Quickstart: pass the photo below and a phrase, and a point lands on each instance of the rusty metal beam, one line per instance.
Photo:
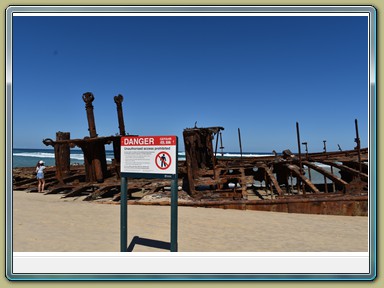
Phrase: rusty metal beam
(88, 99)
(342, 205)
(363, 176)
(118, 100)
(100, 192)
(357, 140)
(297, 172)
(325, 173)
(79, 190)
(345, 155)
(273, 179)
(62, 156)
(59, 189)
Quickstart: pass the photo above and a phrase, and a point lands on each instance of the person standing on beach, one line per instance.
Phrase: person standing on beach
(40, 176)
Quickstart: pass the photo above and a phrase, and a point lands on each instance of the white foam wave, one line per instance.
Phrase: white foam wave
(322, 165)
(35, 155)
(239, 155)
(48, 155)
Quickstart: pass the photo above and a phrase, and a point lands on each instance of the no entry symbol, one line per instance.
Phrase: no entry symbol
(163, 160)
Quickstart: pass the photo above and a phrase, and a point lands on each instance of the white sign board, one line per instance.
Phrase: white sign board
(149, 154)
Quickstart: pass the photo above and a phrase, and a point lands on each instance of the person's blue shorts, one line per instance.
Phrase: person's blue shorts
(40, 175)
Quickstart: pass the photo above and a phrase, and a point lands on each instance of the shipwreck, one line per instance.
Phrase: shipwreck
(206, 178)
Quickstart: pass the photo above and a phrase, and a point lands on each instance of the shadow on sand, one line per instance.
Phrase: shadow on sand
(149, 243)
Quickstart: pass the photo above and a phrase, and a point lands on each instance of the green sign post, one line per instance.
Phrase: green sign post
(148, 157)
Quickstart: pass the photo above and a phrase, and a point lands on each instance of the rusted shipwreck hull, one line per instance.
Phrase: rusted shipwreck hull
(208, 180)
(337, 205)
(287, 186)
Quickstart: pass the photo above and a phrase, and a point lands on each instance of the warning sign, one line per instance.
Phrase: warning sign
(149, 154)
(163, 160)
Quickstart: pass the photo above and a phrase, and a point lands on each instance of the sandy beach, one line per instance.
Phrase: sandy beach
(47, 223)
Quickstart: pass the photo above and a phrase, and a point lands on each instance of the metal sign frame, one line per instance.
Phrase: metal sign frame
(124, 197)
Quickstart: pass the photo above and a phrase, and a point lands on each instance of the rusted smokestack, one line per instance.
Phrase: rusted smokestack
(88, 99)
(118, 100)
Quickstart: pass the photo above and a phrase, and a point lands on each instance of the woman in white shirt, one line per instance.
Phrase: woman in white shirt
(40, 176)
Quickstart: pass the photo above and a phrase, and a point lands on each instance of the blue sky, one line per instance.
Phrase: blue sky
(259, 74)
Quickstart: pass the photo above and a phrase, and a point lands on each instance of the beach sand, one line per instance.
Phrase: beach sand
(47, 223)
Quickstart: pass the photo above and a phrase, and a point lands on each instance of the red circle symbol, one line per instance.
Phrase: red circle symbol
(163, 160)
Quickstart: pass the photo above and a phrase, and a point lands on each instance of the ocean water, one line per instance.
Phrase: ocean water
(30, 157)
